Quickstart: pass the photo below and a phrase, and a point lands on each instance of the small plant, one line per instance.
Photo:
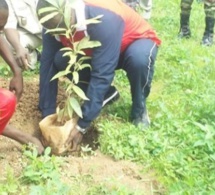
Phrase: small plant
(77, 56)
(39, 170)
(5, 70)
(10, 184)
(86, 151)
(52, 186)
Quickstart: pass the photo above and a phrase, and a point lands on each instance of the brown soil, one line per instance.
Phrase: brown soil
(99, 166)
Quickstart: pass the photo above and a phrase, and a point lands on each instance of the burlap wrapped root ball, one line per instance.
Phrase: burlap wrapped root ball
(55, 135)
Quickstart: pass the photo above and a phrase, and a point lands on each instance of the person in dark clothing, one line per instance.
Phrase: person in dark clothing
(209, 7)
(128, 42)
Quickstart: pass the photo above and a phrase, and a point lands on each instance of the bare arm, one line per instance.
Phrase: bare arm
(16, 83)
(13, 38)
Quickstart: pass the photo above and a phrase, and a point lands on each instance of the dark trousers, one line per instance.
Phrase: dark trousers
(138, 61)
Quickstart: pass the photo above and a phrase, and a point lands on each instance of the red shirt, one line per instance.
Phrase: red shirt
(7, 107)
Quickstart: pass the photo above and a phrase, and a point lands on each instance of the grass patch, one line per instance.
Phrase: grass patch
(180, 144)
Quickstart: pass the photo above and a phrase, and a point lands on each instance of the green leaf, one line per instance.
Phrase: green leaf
(46, 9)
(66, 49)
(69, 109)
(67, 15)
(73, 58)
(90, 21)
(81, 53)
(85, 43)
(48, 17)
(75, 77)
(84, 58)
(56, 31)
(47, 151)
(76, 106)
(60, 74)
(68, 53)
(69, 88)
(79, 92)
(82, 66)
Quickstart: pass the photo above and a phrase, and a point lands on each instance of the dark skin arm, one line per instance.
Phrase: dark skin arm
(16, 83)
(22, 55)
(22, 137)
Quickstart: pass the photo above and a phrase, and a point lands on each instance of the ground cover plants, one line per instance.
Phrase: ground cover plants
(180, 144)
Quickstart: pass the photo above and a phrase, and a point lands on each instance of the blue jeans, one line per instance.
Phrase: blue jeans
(51, 62)
(137, 60)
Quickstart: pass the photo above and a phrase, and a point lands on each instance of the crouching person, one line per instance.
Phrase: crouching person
(8, 99)
(128, 42)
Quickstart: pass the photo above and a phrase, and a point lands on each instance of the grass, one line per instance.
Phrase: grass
(180, 144)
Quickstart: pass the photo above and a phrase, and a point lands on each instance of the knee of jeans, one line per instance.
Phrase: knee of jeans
(60, 61)
(141, 64)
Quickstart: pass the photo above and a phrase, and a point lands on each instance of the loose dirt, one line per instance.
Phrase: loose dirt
(100, 167)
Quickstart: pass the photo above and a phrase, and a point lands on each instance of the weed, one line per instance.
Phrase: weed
(10, 184)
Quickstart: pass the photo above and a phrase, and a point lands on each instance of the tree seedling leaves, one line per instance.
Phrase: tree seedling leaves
(46, 9)
(66, 49)
(60, 74)
(75, 77)
(94, 20)
(85, 43)
(67, 15)
(82, 66)
(48, 17)
(69, 109)
(47, 151)
(79, 92)
(56, 31)
(76, 106)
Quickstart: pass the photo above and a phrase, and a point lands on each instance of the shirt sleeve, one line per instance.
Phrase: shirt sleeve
(12, 20)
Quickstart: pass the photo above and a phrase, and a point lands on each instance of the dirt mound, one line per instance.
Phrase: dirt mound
(100, 167)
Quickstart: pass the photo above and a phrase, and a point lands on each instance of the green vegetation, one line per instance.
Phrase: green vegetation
(180, 144)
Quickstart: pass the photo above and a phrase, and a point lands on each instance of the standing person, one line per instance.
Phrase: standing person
(145, 5)
(23, 31)
(209, 8)
(8, 98)
(128, 42)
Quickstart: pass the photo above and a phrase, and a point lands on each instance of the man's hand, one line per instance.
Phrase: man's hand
(16, 85)
(75, 139)
(23, 58)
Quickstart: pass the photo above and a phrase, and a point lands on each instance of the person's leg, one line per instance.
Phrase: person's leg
(186, 6)
(48, 89)
(22, 137)
(209, 8)
(132, 3)
(138, 62)
(146, 5)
